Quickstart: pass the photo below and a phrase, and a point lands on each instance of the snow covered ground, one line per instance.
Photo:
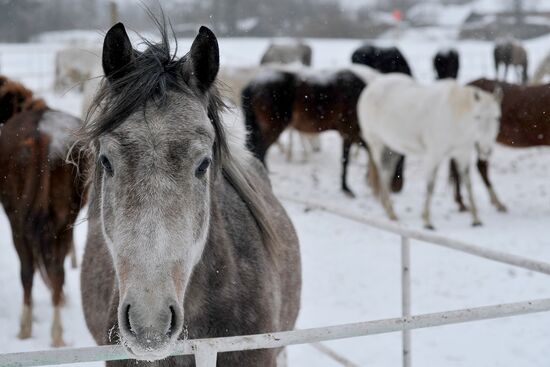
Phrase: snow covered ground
(351, 271)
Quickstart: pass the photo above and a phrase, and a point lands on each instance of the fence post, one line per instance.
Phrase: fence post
(406, 297)
(205, 356)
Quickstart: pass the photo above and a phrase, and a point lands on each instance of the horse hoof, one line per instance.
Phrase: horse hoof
(63, 300)
(25, 327)
(24, 334)
(462, 208)
(502, 209)
(397, 186)
(349, 193)
(477, 223)
(58, 343)
(429, 227)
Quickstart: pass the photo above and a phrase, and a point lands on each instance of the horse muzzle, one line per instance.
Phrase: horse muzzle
(149, 331)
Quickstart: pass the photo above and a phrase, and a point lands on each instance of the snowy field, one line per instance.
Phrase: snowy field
(351, 271)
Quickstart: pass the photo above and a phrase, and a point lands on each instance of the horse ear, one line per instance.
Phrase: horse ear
(498, 93)
(117, 52)
(204, 58)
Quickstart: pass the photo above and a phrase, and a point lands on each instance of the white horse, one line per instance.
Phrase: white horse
(73, 66)
(439, 121)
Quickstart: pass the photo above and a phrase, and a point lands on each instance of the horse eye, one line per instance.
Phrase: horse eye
(106, 165)
(203, 167)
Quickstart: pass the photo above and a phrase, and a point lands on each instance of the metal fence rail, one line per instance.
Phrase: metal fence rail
(430, 237)
(406, 235)
(206, 350)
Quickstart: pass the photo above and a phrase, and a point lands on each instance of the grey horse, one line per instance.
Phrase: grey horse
(287, 54)
(511, 52)
(186, 239)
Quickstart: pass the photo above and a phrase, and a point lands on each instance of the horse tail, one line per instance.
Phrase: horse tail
(37, 187)
(254, 140)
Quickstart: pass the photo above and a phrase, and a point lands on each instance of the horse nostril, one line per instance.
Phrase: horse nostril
(173, 321)
(128, 325)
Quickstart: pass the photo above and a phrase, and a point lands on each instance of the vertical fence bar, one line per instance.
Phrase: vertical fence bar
(406, 297)
(206, 356)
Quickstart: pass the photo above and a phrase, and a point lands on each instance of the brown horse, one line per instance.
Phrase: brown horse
(524, 122)
(279, 98)
(40, 192)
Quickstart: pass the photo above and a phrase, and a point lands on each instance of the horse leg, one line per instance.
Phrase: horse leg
(27, 276)
(372, 177)
(289, 146)
(455, 180)
(356, 151)
(426, 214)
(397, 180)
(305, 144)
(57, 298)
(505, 72)
(483, 168)
(57, 277)
(74, 261)
(387, 163)
(282, 358)
(56, 274)
(346, 146)
(464, 170)
(315, 142)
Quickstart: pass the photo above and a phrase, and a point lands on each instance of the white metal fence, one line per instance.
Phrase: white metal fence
(31, 64)
(206, 350)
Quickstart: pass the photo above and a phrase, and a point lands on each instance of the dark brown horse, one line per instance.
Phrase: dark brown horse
(525, 122)
(279, 98)
(40, 192)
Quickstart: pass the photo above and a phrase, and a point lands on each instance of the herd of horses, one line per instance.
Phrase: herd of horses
(312, 101)
(185, 236)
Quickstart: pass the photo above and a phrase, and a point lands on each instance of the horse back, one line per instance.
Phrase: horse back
(21, 159)
(328, 104)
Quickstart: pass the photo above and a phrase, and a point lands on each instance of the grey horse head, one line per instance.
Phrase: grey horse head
(157, 145)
